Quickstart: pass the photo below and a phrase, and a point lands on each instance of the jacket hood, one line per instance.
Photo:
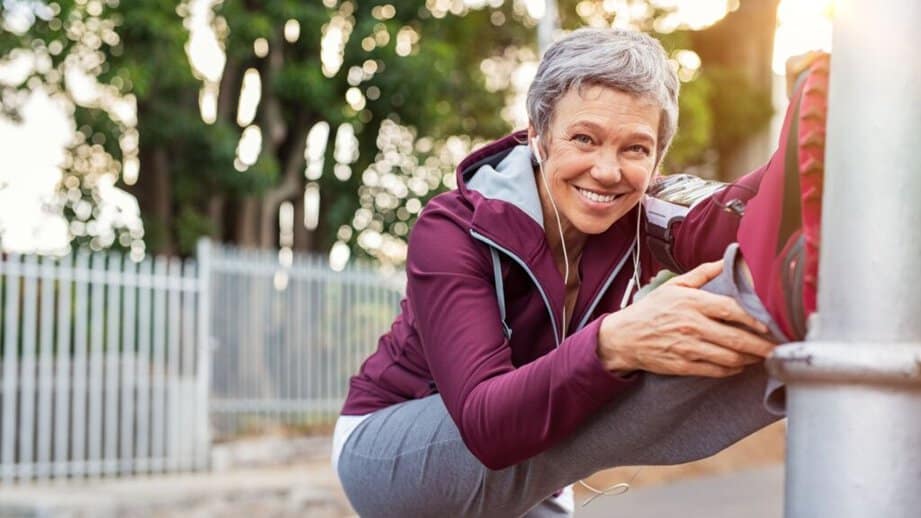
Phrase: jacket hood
(497, 183)
(510, 180)
(488, 155)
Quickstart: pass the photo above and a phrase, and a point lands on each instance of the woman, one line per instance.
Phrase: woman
(512, 370)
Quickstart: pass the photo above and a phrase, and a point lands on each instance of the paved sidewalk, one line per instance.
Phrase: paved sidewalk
(296, 490)
(756, 493)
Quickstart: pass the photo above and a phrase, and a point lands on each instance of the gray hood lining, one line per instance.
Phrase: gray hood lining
(511, 181)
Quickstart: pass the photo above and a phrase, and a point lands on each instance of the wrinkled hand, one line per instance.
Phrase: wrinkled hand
(680, 330)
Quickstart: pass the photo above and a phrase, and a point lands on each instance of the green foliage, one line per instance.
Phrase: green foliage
(695, 129)
(740, 108)
(192, 225)
(695, 117)
(304, 81)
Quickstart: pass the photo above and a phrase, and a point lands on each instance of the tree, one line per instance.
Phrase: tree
(57, 45)
(362, 106)
(187, 185)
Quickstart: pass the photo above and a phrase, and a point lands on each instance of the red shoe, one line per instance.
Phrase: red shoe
(780, 233)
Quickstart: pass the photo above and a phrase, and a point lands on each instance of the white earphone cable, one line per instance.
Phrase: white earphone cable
(635, 277)
(623, 487)
(559, 226)
(612, 490)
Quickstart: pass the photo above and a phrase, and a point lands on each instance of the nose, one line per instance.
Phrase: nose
(607, 170)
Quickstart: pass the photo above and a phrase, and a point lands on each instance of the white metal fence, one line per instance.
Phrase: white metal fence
(111, 368)
(101, 372)
(288, 334)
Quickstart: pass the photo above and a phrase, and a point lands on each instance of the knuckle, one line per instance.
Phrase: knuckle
(737, 360)
(668, 348)
(736, 343)
(686, 328)
(661, 321)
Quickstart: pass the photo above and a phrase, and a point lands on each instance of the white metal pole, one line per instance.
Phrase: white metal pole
(854, 389)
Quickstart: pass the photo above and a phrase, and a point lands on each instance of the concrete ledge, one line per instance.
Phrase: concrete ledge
(269, 451)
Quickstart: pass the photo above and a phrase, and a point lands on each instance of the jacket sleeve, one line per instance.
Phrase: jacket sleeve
(504, 414)
(709, 228)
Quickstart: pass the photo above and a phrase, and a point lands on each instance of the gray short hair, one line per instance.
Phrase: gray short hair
(628, 61)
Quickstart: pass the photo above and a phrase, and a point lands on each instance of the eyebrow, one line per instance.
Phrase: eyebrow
(601, 129)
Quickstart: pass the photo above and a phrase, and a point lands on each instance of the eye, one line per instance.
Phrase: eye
(639, 148)
(582, 138)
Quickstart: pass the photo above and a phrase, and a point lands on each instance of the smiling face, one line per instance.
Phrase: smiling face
(598, 156)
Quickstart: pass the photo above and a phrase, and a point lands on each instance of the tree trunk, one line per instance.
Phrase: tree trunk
(743, 40)
(274, 127)
(268, 217)
(229, 92)
(287, 144)
(303, 238)
(247, 223)
(163, 199)
(153, 191)
(216, 206)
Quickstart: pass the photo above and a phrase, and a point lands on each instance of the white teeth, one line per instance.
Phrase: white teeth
(600, 198)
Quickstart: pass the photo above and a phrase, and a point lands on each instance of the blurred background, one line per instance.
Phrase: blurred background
(143, 125)
(204, 204)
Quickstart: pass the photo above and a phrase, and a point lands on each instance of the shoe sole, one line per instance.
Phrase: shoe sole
(800, 229)
(811, 150)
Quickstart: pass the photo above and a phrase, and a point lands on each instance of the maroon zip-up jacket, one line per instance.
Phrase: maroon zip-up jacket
(518, 392)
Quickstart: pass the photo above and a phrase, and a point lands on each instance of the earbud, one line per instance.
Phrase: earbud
(536, 149)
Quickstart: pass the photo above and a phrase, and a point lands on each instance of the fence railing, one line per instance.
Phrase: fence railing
(113, 368)
(287, 337)
(101, 372)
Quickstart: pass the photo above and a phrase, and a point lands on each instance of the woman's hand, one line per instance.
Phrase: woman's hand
(680, 330)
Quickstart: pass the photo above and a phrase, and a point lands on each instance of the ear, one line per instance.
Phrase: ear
(534, 144)
(532, 132)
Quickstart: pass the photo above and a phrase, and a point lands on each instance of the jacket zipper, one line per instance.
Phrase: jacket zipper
(540, 289)
(607, 284)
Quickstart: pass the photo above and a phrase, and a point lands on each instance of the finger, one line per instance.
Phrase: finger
(735, 338)
(725, 308)
(713, 353)
(699, 276)
(710, 370)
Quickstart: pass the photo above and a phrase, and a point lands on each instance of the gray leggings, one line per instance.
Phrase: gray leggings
(408, 460)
